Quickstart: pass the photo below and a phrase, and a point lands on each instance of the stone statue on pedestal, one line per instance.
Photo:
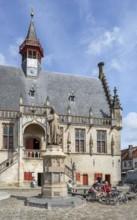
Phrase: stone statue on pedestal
(53, 130)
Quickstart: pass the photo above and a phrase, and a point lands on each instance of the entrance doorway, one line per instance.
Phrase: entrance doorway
(107, 178)
(33, 143)
(85, 179)
(96, 175)
(40, 179)
(33, 136)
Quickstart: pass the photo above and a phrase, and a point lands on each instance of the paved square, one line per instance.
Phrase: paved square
(14, 209)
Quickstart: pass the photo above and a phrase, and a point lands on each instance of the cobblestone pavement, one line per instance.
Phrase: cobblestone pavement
(14, 209)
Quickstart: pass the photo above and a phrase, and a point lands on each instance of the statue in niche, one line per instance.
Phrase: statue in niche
(53, 130)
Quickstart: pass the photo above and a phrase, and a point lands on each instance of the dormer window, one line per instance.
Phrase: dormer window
(71, 97)
(32, 92)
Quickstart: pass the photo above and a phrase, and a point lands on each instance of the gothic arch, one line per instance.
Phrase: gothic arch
(30, 123)
(34, 137)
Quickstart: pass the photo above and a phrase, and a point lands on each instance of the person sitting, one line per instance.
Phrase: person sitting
(70, 187)
(94, 188)
(33, 183)
(99, 179)
(107, 188)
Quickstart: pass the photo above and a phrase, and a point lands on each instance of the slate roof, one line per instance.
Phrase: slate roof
(88, 92)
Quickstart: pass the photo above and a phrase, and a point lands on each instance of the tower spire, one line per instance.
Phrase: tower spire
(31, 51)
(32, 32)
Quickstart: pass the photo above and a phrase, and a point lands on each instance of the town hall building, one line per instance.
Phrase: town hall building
(90, 121)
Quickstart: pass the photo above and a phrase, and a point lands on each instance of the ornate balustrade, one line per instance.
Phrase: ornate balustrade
(30, 109)
(8, 114)
(85, 120)
(35, 154)
(102, 121)
(66, 119)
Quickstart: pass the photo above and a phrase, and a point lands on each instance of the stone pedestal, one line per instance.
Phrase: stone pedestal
(54, 190)
(54, 173)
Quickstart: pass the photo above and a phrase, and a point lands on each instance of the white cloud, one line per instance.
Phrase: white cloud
(85, 11)
(129, 132)
(106, 40)
(2, 59)
(47, 60)
(14, 48)
(95, 72)
(115, 64)
(130, 121)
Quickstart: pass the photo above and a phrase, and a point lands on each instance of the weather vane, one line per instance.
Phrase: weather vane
(32, 11)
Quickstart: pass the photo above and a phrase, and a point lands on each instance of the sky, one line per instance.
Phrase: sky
(76, 35)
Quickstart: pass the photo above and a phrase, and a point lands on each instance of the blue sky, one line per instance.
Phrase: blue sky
(76, 35)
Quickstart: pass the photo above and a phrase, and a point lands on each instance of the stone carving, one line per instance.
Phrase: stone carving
(53, 130)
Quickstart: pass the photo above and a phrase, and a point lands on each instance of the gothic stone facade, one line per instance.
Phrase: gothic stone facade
(90, 121)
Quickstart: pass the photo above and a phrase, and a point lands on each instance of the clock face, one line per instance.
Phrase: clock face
(32, 71)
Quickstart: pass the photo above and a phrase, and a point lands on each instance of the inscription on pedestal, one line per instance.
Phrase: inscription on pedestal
(56, 193)
(56, 169)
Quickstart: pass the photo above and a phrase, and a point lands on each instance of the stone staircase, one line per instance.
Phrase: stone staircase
(68, 172)
(9, 162)
(14, 158)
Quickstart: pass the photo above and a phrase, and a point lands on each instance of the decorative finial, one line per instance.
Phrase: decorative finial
(115, 91)
(32, 11)
(21, 99)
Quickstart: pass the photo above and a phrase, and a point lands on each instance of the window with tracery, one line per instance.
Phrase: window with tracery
(79, 140)
(101, 141)
(8, 136)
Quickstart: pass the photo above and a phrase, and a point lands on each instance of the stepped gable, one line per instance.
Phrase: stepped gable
(104, 83)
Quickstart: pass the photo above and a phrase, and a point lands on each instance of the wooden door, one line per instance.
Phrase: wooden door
(96, 175)
(85, 179)
(40, 179)
(107, 178)
(29, 143)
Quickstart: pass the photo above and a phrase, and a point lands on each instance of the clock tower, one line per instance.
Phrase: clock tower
(31, 52)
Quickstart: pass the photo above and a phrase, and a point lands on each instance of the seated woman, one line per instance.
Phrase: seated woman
(107, 188)
(69, 186)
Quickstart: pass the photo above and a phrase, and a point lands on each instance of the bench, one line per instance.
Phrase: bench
(84, 195)
(131, 195)
(84, 189)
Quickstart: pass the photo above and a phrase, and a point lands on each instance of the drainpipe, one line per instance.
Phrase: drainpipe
(20, 137)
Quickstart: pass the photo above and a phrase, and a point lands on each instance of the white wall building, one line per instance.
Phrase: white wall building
(90, 120)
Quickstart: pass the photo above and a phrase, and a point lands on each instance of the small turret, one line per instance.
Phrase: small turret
(31, 52)
(116, 110)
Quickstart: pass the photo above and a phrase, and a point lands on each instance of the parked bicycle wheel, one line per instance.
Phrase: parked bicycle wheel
(122, 197)
(102, 199)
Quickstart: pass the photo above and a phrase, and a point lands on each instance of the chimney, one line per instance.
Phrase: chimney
(130, 147)
(101, 74)
(130, 150)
